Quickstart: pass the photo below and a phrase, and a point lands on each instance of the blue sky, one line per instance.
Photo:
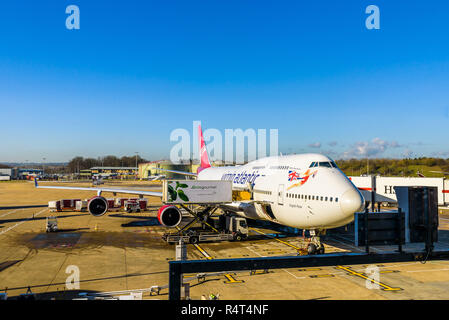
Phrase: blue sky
(137, 70)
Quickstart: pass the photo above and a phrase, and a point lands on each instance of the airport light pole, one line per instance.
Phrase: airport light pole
(43, 166)
(136, 163)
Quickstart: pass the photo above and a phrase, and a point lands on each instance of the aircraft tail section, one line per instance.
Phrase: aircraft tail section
(205, 163)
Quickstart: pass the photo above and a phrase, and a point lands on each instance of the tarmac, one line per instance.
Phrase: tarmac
(121, 253)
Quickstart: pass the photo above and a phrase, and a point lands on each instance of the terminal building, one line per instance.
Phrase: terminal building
(110, 172)
(384, 187)
(19, 173)
(150, 169)
(8, 174)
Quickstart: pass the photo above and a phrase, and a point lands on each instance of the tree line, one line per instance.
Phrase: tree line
(80, 163)
(394, 167)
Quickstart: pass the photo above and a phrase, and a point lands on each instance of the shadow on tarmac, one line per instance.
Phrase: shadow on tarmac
(37, 218)
(23, 207)
(90, 280)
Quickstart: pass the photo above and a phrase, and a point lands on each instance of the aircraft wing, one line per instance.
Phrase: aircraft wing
(446, 173)
(100, 190)
(157, 177)
(179, 172)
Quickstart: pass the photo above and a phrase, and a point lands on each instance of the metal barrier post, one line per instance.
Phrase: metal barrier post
(400, 230)
(174, 282)
(366, 230)
(428, 222)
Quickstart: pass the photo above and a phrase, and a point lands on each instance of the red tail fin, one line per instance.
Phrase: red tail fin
(203, 152)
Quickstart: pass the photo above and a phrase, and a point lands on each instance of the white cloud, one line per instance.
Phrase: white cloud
(440, 154)
(315, 145)
(364, 149)
(408, 153)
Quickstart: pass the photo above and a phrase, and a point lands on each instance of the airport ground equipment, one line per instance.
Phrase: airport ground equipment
(178, 268)
(111, 204)
(225, 228)
(63, 205)
(81, 205)
(201, 198)
(120, 202)
(51, 224)
(131, 206)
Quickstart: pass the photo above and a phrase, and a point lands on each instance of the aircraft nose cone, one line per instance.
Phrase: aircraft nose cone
(351, 201)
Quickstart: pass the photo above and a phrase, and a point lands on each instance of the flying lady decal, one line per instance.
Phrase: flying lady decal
(294, 176)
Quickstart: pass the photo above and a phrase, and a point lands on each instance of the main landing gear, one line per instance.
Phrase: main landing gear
(315, 246)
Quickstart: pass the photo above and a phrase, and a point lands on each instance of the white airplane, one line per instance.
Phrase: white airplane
(306, 191)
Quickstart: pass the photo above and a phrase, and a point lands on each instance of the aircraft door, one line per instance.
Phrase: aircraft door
(281, 194)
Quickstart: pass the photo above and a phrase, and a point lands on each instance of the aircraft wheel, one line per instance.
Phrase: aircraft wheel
(311, 248)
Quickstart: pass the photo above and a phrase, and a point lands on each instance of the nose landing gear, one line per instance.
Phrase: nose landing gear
(315, 246)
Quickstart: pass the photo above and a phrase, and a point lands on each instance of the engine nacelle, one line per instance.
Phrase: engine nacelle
(97, 206)
(169, 216)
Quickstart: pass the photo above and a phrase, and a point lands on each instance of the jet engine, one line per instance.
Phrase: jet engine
(169, 216)
(97, 206)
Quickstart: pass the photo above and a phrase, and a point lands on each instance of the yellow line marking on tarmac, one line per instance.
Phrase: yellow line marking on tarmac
(231, 279)
(310, 269)
(208, 257)
(389, 271)
(228, 276)
(322, 276)
(361, 275)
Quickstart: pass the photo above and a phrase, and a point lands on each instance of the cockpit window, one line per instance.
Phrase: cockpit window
(325, 164)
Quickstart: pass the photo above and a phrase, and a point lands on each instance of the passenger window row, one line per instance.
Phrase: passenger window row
(263, 192)
(279, 167)
(310, 197)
